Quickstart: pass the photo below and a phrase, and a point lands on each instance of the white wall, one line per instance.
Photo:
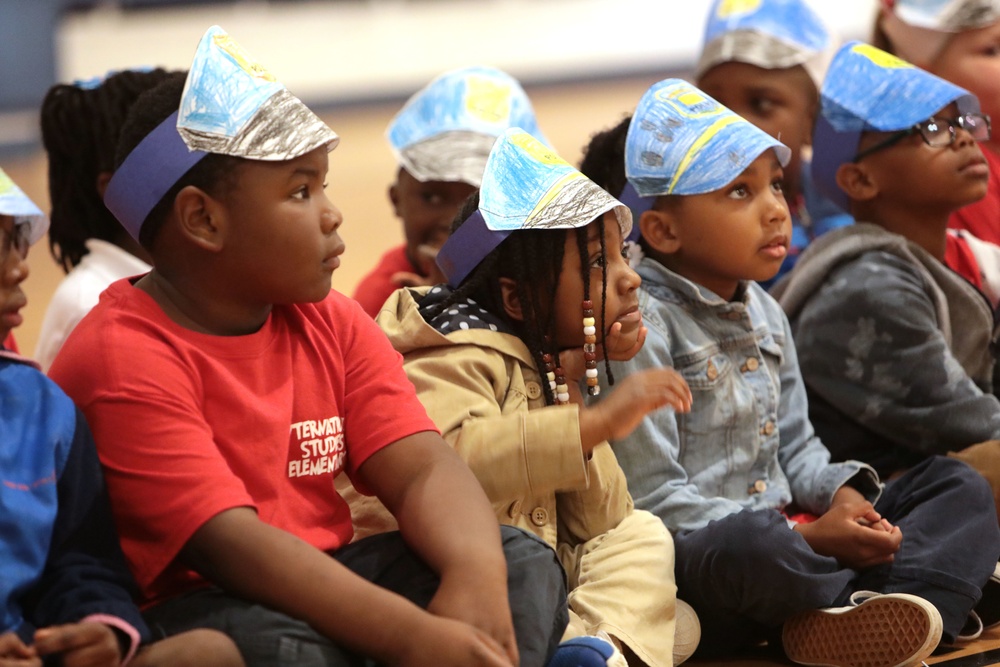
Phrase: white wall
(331, 52)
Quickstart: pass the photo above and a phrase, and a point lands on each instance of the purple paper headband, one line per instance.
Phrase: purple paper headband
(148, 173)
(467, 247)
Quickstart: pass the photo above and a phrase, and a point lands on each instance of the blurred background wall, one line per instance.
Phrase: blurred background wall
(584, 63)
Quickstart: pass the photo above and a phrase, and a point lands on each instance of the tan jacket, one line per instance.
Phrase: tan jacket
(483, 391)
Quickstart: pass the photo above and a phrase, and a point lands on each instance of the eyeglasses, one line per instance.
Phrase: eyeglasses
(938, 132)
(15, 236)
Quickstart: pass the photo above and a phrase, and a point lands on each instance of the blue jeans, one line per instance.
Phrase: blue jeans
(268, 638)
(747, 573)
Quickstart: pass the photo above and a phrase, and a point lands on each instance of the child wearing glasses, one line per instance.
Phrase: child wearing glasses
(894, 347)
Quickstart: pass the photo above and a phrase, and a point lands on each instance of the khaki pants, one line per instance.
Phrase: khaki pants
(985, 458)
(622, 582)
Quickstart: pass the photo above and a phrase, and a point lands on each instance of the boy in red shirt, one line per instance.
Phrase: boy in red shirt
(227, 387)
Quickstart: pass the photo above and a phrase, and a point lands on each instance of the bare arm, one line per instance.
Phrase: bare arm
(465, 549)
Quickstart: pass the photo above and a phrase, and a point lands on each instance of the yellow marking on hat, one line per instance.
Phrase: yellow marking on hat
(6, 184)
(730, 7)
(239, 55)
(487, 99)
(536, 149)
(699, 143)
(879, 57)
(686, 100)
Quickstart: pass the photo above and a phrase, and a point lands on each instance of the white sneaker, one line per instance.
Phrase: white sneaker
(887, 630)
(687, 632)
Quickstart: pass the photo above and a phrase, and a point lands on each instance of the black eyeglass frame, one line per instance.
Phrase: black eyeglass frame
(958, 121)
(16, 240)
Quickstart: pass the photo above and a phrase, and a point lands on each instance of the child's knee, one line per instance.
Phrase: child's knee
(194, 648)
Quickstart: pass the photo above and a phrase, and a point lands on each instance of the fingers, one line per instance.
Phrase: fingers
(81, 644)
(15, 653)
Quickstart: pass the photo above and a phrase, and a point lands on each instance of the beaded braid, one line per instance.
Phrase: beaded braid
(80, 128)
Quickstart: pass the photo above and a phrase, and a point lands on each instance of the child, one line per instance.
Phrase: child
(441, 139)
(65, 590)
(958, 40)
(730, 478)
(536, 241)
(895, 348)
(229, 385)
(80, 126)
(765, 60)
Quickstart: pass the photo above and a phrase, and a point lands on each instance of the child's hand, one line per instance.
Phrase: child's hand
(453, 644)
(853, 533)
(619, 348)
(482, 604)
(80, 644)
(630, 401)
(15, 653)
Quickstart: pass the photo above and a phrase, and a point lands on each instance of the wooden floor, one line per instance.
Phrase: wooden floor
(361, 169)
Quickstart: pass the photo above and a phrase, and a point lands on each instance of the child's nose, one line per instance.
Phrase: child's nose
(963, 137)
(331, 218)
(15, 269)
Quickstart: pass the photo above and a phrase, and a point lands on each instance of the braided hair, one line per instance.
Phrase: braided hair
(80, 126)
(533, 259)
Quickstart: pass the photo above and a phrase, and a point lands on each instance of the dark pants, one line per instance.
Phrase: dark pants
(267, 638)
(748, 573)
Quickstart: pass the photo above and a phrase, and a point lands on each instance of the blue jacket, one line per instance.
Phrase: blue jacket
(747, 443)
(59, 552)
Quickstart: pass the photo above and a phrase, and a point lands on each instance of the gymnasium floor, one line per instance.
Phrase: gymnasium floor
(361, 169)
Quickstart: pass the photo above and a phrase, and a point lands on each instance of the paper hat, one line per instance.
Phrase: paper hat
(683, 142)
(445, 131)
(866, 90)
(920, 29)
(15, 203)
(231, 105)
(525, 186)
(772, 34)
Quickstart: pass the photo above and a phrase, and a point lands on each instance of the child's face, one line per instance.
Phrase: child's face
(622, 304)
(782, 102)
(427, 209)
(912, 174)
(740, 232)
(971, 59)
(284, 246)
(13, 271)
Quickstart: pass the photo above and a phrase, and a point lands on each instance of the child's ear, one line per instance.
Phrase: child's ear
(658, 228)
(857, 182)
(511, 301)
(200, 217)
(394, 198)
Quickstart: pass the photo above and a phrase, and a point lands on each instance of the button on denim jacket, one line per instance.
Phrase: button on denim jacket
(747, 442)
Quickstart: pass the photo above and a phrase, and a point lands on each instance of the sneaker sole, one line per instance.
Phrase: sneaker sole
(886, 631)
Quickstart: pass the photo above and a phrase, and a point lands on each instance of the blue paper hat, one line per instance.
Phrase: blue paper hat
(15, 203)
(869, 90)
(446, 130)
(231, 105)
(772, 34)
(683, 142)
(525, 186)
(947, 15)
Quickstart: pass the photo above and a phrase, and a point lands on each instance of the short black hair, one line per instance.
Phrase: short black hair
(533, 259)
(80, 127)
(214, 174)
(604, 157)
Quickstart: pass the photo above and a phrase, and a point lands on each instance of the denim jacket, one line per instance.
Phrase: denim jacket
(747, 442)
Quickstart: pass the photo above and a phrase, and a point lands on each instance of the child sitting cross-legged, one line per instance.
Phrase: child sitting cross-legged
(772, 540)
(229, 385)
(894, 346)
(538, 290)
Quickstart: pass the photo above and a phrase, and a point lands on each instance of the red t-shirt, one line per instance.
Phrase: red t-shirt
(189, 425)
(958, 257)
(376, 287)
(982, 219)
